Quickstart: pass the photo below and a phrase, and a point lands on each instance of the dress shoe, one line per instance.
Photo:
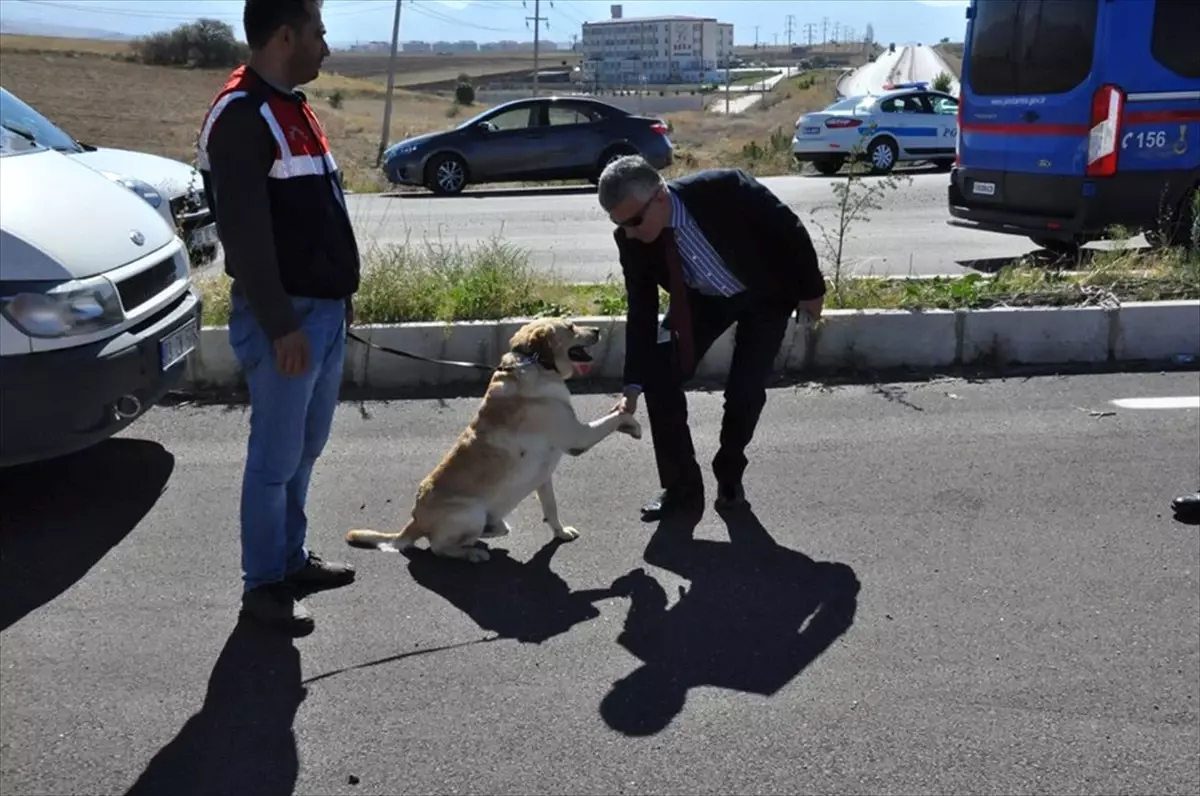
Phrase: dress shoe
(672, 501)
(1187, 507)
(730, 496)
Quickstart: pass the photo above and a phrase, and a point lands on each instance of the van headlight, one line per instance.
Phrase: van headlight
(139, 187)
(72, 308)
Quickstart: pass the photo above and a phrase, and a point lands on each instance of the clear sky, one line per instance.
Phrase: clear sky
(492, 20)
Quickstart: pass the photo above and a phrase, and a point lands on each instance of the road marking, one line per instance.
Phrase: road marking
(1169, 402)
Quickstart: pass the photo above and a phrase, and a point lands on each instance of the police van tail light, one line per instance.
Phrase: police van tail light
(836, 123)
(1108, 103)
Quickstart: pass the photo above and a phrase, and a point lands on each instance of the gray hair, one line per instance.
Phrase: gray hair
(627, 177)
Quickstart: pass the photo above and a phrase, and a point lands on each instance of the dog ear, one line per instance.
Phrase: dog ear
(537, 342)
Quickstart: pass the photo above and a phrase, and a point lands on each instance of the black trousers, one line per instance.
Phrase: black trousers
(759, 334)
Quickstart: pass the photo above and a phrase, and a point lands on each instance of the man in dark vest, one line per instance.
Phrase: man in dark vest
(727, 250)
(290, 249)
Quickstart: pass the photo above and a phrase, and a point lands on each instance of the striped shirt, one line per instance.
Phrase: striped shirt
(703, 268)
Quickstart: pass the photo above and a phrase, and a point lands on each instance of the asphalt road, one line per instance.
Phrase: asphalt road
(908, 64)
(1005, 606)
(567, 233)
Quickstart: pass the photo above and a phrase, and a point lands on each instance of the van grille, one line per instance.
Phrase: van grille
(145, 285)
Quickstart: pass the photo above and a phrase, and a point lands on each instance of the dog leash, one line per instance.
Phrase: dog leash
(399, 353)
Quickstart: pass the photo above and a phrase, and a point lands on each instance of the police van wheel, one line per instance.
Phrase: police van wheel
(1059, 248)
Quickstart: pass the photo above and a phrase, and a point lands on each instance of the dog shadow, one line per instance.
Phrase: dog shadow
(241, 740)
(755, 615)
(523, 601)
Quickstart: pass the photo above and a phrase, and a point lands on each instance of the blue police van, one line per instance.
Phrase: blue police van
(1076, 116)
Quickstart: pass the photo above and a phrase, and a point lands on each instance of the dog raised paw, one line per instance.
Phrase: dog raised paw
(567, 534)
(629, 425)
(476, 555)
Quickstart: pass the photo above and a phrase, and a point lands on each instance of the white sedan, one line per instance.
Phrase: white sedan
(902, 125)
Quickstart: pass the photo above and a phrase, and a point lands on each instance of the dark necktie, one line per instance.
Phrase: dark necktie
(681, 317)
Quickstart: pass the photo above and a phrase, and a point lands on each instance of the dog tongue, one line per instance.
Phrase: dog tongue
(583, 368)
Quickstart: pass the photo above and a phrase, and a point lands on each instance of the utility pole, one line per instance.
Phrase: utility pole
(391, 84)
(756, 37)
(811, 29)
(536, 19)
(824, 29)
(791, 20)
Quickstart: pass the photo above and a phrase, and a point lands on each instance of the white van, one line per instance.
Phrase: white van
(97, 309)
(174, 187)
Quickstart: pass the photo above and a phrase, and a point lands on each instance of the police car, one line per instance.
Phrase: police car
(906, 123)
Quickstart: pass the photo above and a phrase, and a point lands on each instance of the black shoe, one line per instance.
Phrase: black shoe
(730, 496)
(275, 605)
(672, 501)
(1187, 507)
(318, 575)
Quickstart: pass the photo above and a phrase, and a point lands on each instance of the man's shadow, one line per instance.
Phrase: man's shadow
(756, 614)
(241, 740)
(523, 601)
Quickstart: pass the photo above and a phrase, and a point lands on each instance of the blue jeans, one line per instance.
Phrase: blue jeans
(290, 419)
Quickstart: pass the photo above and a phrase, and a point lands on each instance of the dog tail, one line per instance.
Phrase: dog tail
(378, 540)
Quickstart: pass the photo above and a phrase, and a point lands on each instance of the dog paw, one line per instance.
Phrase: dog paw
(631, 427)
(476, 555)
(495, 531)
(567, 534)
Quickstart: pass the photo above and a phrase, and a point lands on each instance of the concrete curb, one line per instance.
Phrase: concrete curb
(846, 340)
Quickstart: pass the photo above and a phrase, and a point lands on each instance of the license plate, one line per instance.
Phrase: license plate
(984, 188)
(178, 344)
(204, 236)
(812, 131)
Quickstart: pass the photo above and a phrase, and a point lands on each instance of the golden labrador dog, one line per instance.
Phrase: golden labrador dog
(510, 449)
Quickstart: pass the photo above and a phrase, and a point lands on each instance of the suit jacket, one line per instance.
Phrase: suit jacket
(763, 243)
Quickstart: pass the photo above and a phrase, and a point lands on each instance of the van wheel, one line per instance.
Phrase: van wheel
(944, 165)
(1181, 227)
(1059, 248)
(446, 175)
(882, 155)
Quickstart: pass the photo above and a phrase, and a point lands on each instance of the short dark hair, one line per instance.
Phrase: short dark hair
(261, 18)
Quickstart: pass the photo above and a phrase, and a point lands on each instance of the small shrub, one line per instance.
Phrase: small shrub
(203, 44)
(464, 93)
(336, 98)
(942, 82)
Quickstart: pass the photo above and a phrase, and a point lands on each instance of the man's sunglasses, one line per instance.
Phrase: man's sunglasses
(639, 218)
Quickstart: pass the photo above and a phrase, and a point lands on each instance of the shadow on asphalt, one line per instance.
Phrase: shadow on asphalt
(754, 617)
(523, 601)
(241, 740)
(490, 193)
(60, 517)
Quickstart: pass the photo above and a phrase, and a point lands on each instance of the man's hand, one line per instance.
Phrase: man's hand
(628, 403)
(812, 308)
(349, 314)
(292, 353)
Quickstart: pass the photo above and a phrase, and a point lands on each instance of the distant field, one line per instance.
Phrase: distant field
(52, 44)
(415, 69)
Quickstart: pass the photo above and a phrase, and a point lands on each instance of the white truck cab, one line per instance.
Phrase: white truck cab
(97, 309)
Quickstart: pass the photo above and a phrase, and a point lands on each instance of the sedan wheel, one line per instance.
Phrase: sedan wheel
(448, 175)
(883, 156)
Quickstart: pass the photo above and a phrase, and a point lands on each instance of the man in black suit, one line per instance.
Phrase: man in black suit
(727, 250)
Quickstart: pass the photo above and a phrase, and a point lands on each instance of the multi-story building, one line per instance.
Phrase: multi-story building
(654, 50)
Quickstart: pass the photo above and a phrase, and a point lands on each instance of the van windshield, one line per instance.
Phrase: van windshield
(1023, 47)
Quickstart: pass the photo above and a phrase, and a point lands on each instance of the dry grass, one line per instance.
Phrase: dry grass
(759, 139)
(952, 53)
(10, 43)
(420, 69)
